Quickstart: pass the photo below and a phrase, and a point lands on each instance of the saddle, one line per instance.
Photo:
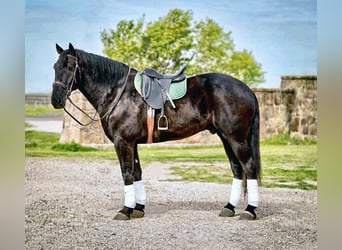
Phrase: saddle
(155, 86)
(154, 89)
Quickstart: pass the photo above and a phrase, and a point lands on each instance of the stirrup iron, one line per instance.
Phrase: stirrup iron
(163, 117)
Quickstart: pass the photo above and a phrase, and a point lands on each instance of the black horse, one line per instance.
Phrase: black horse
(215, 102)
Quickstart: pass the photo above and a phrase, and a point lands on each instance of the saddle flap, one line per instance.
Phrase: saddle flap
(153, 94)
(146, 87)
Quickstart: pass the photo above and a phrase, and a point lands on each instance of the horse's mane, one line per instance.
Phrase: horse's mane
(101, 68)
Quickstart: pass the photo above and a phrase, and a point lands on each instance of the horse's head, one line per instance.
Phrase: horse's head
(67, 73)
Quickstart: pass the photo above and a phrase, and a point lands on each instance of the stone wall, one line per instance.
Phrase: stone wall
(292, 109)
(276, 107)
(72, 131)
(37, 99)
(304, 114)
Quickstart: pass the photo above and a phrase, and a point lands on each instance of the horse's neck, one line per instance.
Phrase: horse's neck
(101, 91)
(98, 94)
(93, 96)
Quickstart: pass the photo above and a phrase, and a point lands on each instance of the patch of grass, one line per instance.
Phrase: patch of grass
(72, 147)
(46, 144)
(202, 173)
(300, 177)
(40, 139)
(182, 153)
(43, 110)
(286, 139)
(291, 166)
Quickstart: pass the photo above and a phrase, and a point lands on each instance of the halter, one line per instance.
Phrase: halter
(70, 88)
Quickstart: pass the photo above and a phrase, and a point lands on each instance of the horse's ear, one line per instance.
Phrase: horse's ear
(72, 50)
(59, 49)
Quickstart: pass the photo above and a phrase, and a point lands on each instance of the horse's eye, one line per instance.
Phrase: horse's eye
(70, 68)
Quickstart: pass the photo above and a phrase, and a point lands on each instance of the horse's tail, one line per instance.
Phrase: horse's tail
(253, 143)
(254, 140)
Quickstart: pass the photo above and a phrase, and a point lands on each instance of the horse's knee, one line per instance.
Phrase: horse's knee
(128, 178)
(250, 170)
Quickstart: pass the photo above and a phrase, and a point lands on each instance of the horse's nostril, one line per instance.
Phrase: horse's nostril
(57, 102)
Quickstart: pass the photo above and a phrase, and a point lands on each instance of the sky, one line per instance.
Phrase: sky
(282, 35)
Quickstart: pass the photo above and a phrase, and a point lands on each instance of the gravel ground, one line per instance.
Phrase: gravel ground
(70, 204)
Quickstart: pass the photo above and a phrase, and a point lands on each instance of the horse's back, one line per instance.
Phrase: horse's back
(224, 87)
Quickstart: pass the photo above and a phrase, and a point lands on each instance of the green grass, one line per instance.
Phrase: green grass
(39, 140)
(286, 139)
(46, 144)
(290, 164)
(72, 147)
(185, 153)
(43, 110)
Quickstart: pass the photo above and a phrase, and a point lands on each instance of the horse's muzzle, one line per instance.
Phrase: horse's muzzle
(58, 96)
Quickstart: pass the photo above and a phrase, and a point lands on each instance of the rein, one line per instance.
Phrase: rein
(109, 111)
(69, 90)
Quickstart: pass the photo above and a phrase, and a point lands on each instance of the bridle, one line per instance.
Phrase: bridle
(70, 89)
(73, 79)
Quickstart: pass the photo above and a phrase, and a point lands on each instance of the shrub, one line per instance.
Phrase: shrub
(73, 147)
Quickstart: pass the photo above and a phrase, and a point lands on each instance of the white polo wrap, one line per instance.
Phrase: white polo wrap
(140, 194)
(129, 196)
(235, 193)
(252, 192)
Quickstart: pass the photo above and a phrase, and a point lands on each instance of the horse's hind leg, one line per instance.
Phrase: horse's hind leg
(240, 154)
(243, 152)
(236, 190)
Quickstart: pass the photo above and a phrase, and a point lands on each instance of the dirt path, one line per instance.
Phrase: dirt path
(70, 204)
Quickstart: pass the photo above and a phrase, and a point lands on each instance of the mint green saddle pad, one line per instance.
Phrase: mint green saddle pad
(177, 89)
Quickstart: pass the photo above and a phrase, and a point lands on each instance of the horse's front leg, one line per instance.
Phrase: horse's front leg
(131, 174)
(139, 189)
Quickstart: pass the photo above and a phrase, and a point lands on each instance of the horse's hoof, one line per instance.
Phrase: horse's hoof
(226, 212)
(137, 213)
(121, 216)
(246, 215)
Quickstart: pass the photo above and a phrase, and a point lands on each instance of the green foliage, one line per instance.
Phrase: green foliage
(174, 40)
(73, 147)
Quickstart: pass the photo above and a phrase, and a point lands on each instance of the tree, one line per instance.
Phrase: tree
(176, 39)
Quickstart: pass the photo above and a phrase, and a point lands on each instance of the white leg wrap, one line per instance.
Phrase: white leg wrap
(140, 194)
(235, 194)
(129, 196)
(252, 192)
